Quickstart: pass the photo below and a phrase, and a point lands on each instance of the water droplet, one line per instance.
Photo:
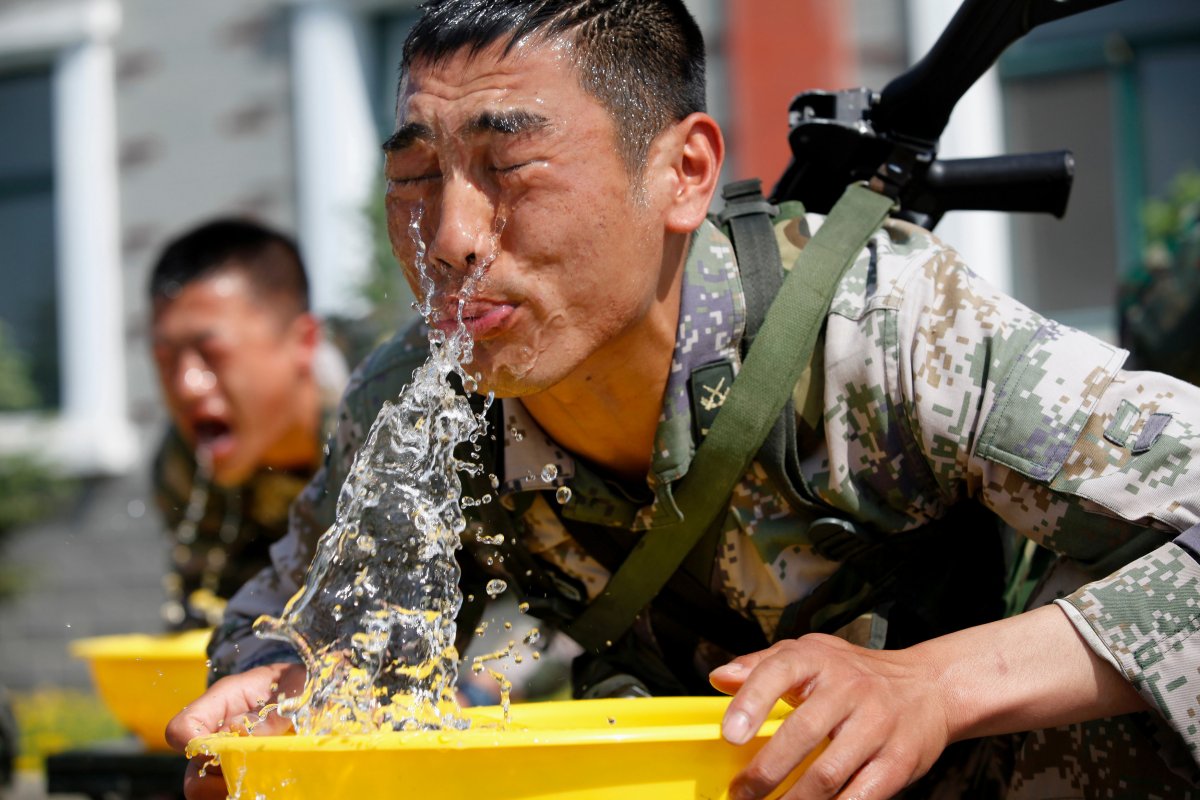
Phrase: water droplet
(563, 495)
(495, 587)
(494, 481)
(470, 385)
(516, 433)
(549, 472)
(533, 635)
(523, 608)
(537, 656)
(507, 626)
(497, 539)
(612, 720)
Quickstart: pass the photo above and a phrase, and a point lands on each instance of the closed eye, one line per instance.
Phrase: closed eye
(414, 181)
(512, 167)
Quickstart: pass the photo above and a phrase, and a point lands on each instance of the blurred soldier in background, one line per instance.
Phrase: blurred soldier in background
(250, 386)
(1160, 301)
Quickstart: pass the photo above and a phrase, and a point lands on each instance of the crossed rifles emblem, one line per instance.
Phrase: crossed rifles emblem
(716, 397)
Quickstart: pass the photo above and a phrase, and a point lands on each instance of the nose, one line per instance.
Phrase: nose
(463, 234)
(192, 379)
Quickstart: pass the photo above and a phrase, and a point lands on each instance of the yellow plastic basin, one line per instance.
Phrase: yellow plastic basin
(145, 679)
(663, 748)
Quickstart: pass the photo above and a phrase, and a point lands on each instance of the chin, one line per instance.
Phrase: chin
(507, 381)
(230, 476)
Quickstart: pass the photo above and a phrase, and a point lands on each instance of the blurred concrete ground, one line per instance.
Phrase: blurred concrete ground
(81, 580)
(32, 786)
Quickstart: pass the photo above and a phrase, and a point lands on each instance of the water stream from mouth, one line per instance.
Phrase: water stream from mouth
(375, 620)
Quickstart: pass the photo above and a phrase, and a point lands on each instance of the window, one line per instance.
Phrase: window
(60, 263)
(28, 305)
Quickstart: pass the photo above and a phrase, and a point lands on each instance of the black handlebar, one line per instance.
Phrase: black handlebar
(917, 104)
(890, 138)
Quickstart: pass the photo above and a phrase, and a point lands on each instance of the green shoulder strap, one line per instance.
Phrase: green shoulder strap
(782, 350)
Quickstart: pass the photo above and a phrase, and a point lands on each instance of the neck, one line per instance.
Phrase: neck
(300, 446)
(607, 410)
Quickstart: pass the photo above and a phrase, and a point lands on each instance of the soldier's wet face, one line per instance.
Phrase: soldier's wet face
(510, 168)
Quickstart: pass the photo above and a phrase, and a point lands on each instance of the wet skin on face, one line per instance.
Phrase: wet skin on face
(512, 169)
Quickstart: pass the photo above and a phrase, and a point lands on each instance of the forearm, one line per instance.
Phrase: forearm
(1023, 673)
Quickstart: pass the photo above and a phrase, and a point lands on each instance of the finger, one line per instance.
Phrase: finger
(209, 786)
(202, 716)
(778, 676)
(728, 677)
(877, 780)
(802, 733)
(850, 747)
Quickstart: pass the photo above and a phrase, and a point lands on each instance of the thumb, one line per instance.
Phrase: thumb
(268, 722)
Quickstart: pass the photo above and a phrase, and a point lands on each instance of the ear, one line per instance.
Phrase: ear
(697, 150)
(305, 333)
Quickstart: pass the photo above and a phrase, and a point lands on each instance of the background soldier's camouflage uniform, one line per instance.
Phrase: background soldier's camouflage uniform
(937, 390)
(230, 543)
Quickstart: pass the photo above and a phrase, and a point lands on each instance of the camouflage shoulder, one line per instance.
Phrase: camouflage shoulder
(792, 231)
(873, 279)
(387, 368)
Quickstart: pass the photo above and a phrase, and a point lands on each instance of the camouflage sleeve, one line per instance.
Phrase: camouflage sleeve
(1102, 465)
(172, 474)
(1143, 618)
(234, 646)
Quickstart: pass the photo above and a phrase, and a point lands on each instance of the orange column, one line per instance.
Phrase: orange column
(777, 49)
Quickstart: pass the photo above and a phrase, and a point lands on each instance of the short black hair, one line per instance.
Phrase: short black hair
(643, 60)
(269, 259)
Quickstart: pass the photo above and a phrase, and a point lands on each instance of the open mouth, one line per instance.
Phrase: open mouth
(213, 436)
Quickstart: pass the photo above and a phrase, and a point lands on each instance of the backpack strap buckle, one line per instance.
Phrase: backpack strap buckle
(743, 198)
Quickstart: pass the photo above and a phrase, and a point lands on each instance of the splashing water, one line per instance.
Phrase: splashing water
(375, 621)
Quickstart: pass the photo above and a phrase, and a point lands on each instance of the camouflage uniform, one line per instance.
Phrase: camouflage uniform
(932, 390)
(229, 544)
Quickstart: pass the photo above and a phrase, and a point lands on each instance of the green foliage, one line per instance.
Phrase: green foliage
(1159, 301)
(52, 720)
(1171, 222)
(16, 388)
(29, 490)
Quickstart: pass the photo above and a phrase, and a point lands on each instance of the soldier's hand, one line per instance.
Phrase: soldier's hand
(877, 714)
(232, 704)
(888, 714)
